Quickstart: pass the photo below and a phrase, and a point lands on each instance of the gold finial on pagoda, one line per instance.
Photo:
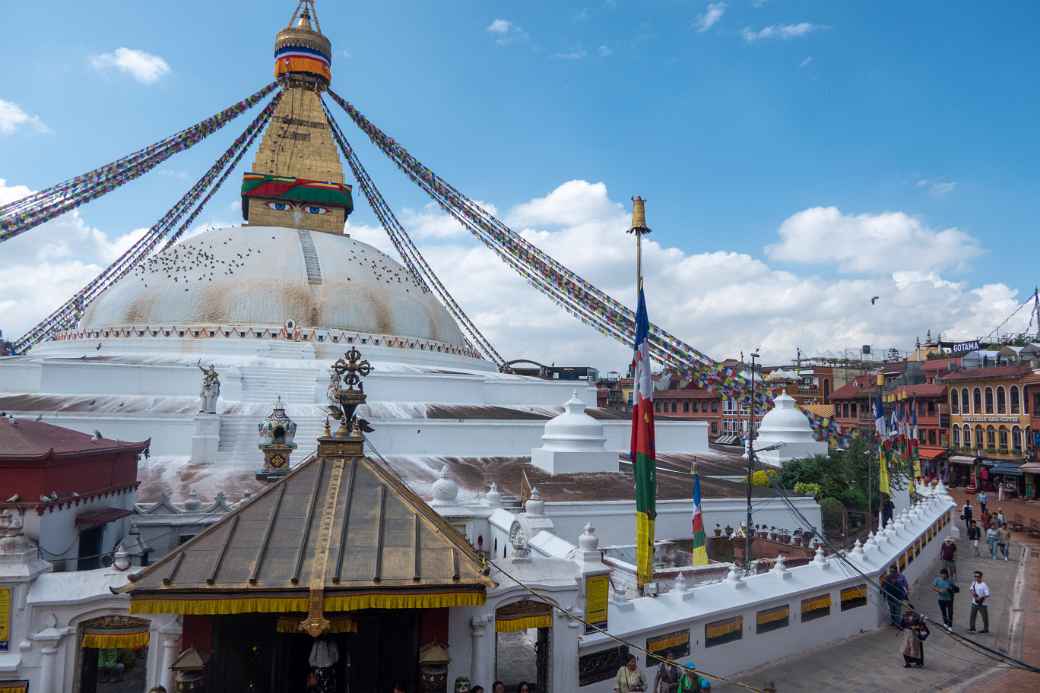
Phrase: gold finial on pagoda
(639, 216)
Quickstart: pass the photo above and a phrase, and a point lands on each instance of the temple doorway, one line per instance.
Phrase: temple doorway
(113, 655)
(522, 645)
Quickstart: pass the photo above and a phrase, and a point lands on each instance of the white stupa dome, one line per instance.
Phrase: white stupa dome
(784, 423)
(266, 276)
(574, 430)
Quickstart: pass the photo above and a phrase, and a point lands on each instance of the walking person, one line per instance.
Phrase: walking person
(979, 594)
(967, 514)
(983, 499)
(915, 632)
(1003, 541)
(629, 679)
(974, 536)
(991, 539)
(945, 588)
(895, 589)
(948, 555)
(667, 679)
(887, 510)
(1001, 517)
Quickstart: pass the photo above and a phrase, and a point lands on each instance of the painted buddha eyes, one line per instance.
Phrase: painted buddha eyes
(287, 206)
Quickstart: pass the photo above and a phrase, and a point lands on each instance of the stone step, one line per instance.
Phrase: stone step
(310, 258)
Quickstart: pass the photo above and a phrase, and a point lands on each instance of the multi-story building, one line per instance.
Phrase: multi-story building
(927, 403)
(852, 403)
(990, 423)
(690, 403)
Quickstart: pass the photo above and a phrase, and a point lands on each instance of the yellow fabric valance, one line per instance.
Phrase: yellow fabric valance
(115, 640)
(226, 606)
(337, 624)
(515, 625)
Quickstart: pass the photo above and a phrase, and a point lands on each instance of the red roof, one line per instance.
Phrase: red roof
(27, 440)
(861, 386)
(941, 364)
(922, 390)
(990, 373)
(928, 453)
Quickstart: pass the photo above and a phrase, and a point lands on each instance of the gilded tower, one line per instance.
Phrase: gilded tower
(297, 178)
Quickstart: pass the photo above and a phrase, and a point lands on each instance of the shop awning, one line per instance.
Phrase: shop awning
(1030, 468)
(115, 633)
(962, 459)
(931, 453)
(100, 516)
(522, 615)
(1006, 468)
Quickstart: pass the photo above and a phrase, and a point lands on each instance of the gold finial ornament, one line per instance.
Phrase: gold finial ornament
(639, 216)
(347, 393)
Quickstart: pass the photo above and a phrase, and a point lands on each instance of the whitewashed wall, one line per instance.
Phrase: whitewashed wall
(646, 617)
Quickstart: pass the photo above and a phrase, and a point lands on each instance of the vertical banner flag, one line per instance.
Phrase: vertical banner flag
(879, 417)
(700, 549)
(642, 449)
(883, 484)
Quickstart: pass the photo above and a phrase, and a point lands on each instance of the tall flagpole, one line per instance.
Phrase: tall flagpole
(642, 450)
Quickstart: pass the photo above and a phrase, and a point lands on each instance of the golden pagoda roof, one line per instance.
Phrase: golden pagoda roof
(341, 526)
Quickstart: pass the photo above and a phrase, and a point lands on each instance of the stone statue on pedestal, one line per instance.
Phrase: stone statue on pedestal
(210, 391)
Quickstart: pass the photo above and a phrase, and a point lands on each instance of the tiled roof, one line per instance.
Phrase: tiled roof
(922, 390)
(990, 373)
(25, 439)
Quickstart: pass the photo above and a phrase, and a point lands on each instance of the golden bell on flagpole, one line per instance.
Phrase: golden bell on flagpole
(639, 216)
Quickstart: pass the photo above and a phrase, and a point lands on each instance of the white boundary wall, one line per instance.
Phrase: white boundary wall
(692, 610)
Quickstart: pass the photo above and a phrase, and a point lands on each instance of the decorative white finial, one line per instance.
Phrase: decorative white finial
(820, 559)
(734, 578)
(121, 559)
(679, 584)
(857, 549)
(587, 540)
(780, 567)
(535, 506)
(493, 498)
(445, 490)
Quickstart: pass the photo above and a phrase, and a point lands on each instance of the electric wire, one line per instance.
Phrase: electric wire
(985, 650)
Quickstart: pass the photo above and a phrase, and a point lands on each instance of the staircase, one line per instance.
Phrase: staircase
(310, 258)
(239, 438)
(263, 385)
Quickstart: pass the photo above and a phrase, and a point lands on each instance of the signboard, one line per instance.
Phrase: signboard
(5, 618)
(726, 630)
(670, 646)
(772, 619)
(961, 347)
(853, 597)
(816, 607)
(601, 666)
(990, 418)
(597, 588)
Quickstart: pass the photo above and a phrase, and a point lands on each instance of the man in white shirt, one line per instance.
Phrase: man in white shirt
(979, 594)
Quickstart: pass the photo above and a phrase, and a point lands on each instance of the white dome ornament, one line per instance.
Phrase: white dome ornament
(445, 490)
(787, 428)
(574, 443)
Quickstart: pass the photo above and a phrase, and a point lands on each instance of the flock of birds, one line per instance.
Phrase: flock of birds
(193, 262)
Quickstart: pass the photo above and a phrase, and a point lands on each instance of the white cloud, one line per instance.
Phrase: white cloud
(807, 62)
(575, 54)
(886, 242)
(720, 302)
(507, 32)
(780, 31)
(12, 117)
(711, 16)
(145, 67)
(604, 51)
(745, 303)
(938, 188)
(500, 26)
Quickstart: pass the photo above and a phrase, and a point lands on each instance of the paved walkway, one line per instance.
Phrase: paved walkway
(873, 661)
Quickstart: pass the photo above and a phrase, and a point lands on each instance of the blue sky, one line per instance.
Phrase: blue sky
(731, 118)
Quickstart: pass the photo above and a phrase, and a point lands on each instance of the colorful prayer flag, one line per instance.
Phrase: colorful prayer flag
(883, 483)
(644, 460)
(700, 549)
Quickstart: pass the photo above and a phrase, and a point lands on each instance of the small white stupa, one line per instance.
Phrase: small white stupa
(574, 442)
(788, 428)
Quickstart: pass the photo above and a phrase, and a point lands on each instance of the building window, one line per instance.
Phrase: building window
(675, 407)
(1014, 399)
(931, 437)
(714, 405)
(855, 410)
(931, 408)
(714, 427)
(686, 407)
(967, 437)
(977, 404)
(1016, 438)
(920, 408)
(956, 437)
(920, 435)
(989, 400)
(978, 437)
(991, 437)
(964, 400)
(1001, 401)
(1003, 437)
(954, 409)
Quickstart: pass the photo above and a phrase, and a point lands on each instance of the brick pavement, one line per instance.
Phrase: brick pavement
(873, 661)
